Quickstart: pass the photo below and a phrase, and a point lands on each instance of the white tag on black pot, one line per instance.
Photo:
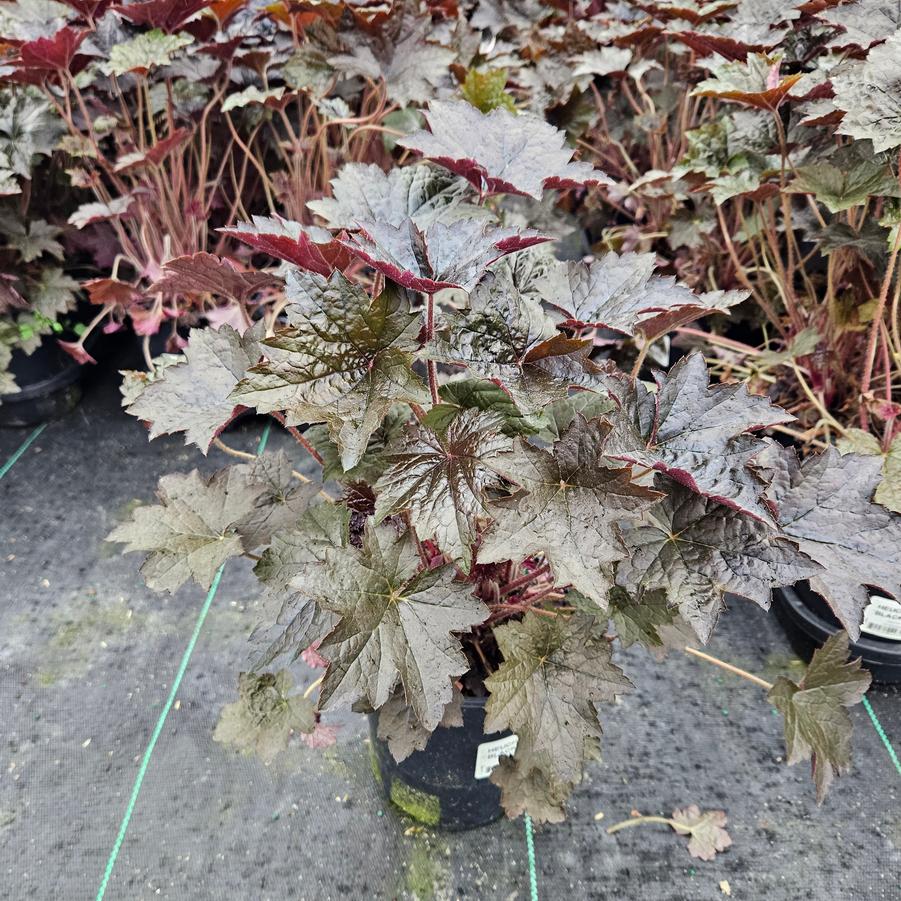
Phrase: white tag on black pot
(490, 752)
(882, 618)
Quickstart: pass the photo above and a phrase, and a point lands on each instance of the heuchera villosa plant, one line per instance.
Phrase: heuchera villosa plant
(509, 503)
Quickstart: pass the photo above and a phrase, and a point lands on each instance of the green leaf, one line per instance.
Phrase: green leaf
(570, 509)
(290, 568)
(478, 394)
(145, 51)
(698, 550)
(637, 619)
(557, 416)
(395, 624)
(251, 95)
(485, 90)
(32, 238)
(889, 491)
(53, 293)
(441, 478)
(817, 727)
(264, 716)
(194, 396)
(375, 458)
(556, 671)
(193, 530)
(846, 179)
(346, 364)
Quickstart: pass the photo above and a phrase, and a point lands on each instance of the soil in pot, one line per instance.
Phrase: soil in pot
(809, 622)
(49, 380)
(446, 785)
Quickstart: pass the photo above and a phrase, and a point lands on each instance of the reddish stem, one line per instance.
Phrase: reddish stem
(296, 435)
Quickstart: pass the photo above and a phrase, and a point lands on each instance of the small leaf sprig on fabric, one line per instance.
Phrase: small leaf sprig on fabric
(508, 503)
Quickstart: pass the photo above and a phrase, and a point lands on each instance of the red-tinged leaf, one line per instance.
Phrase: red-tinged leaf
(155, 154)
(687, 12)
(169, 15)
(53, 54)
(225, 9)
(92, 9)
(716, 45)
(10, 298)
(500, 152)
(75, 350)
(103, 291)
(308, 247)
(204, 273)
(756, 82)
(441, 255)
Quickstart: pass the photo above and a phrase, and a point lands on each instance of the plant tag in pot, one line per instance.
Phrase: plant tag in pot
(882, 618)
(490, 752)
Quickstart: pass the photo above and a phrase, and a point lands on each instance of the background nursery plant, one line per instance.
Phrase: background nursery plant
(509, 503)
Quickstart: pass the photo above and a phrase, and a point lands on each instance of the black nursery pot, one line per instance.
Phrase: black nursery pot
(50, 383)
(809, 622)
(446, 785)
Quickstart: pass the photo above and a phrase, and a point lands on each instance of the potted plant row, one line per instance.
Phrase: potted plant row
(500, 505)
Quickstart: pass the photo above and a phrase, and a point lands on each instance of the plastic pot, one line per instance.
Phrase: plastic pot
(809, 622)
(446, 785)
(49, 380)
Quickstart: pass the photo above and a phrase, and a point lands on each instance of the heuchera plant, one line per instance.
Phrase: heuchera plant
(509, 503)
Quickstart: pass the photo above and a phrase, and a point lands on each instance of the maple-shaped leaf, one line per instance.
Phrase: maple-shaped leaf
(144, 52)
(194, 397)
(52, 293)
(31, 238)
(846, 179)
(870, 95)
(193, 530)
(505, 336)
(399, 727)
(53, 54)
(570, 509)
(305, 246)
(755, 82)
(265, 715)
(698, 551)
(375, 458)
(395, 624)
(862, 22)
(344, 363)
(440, 255)
(165, 14)
(817, 726)
(289, 569)
(557, 416)
(825, 504)
(440, 478)
(707, 830)
(532, 790)
(640, 619)
(695, 432)
(29, 129)
(362, 193)
(500, 152)
(412, 67)
(479, 394)
(621, 292)
(555, 673)
(205, 273)
(281, 500)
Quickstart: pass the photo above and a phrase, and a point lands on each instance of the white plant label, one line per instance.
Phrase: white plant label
(882, 617)
(489, 754)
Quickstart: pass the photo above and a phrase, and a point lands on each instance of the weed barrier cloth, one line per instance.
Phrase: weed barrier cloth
(88, 659)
